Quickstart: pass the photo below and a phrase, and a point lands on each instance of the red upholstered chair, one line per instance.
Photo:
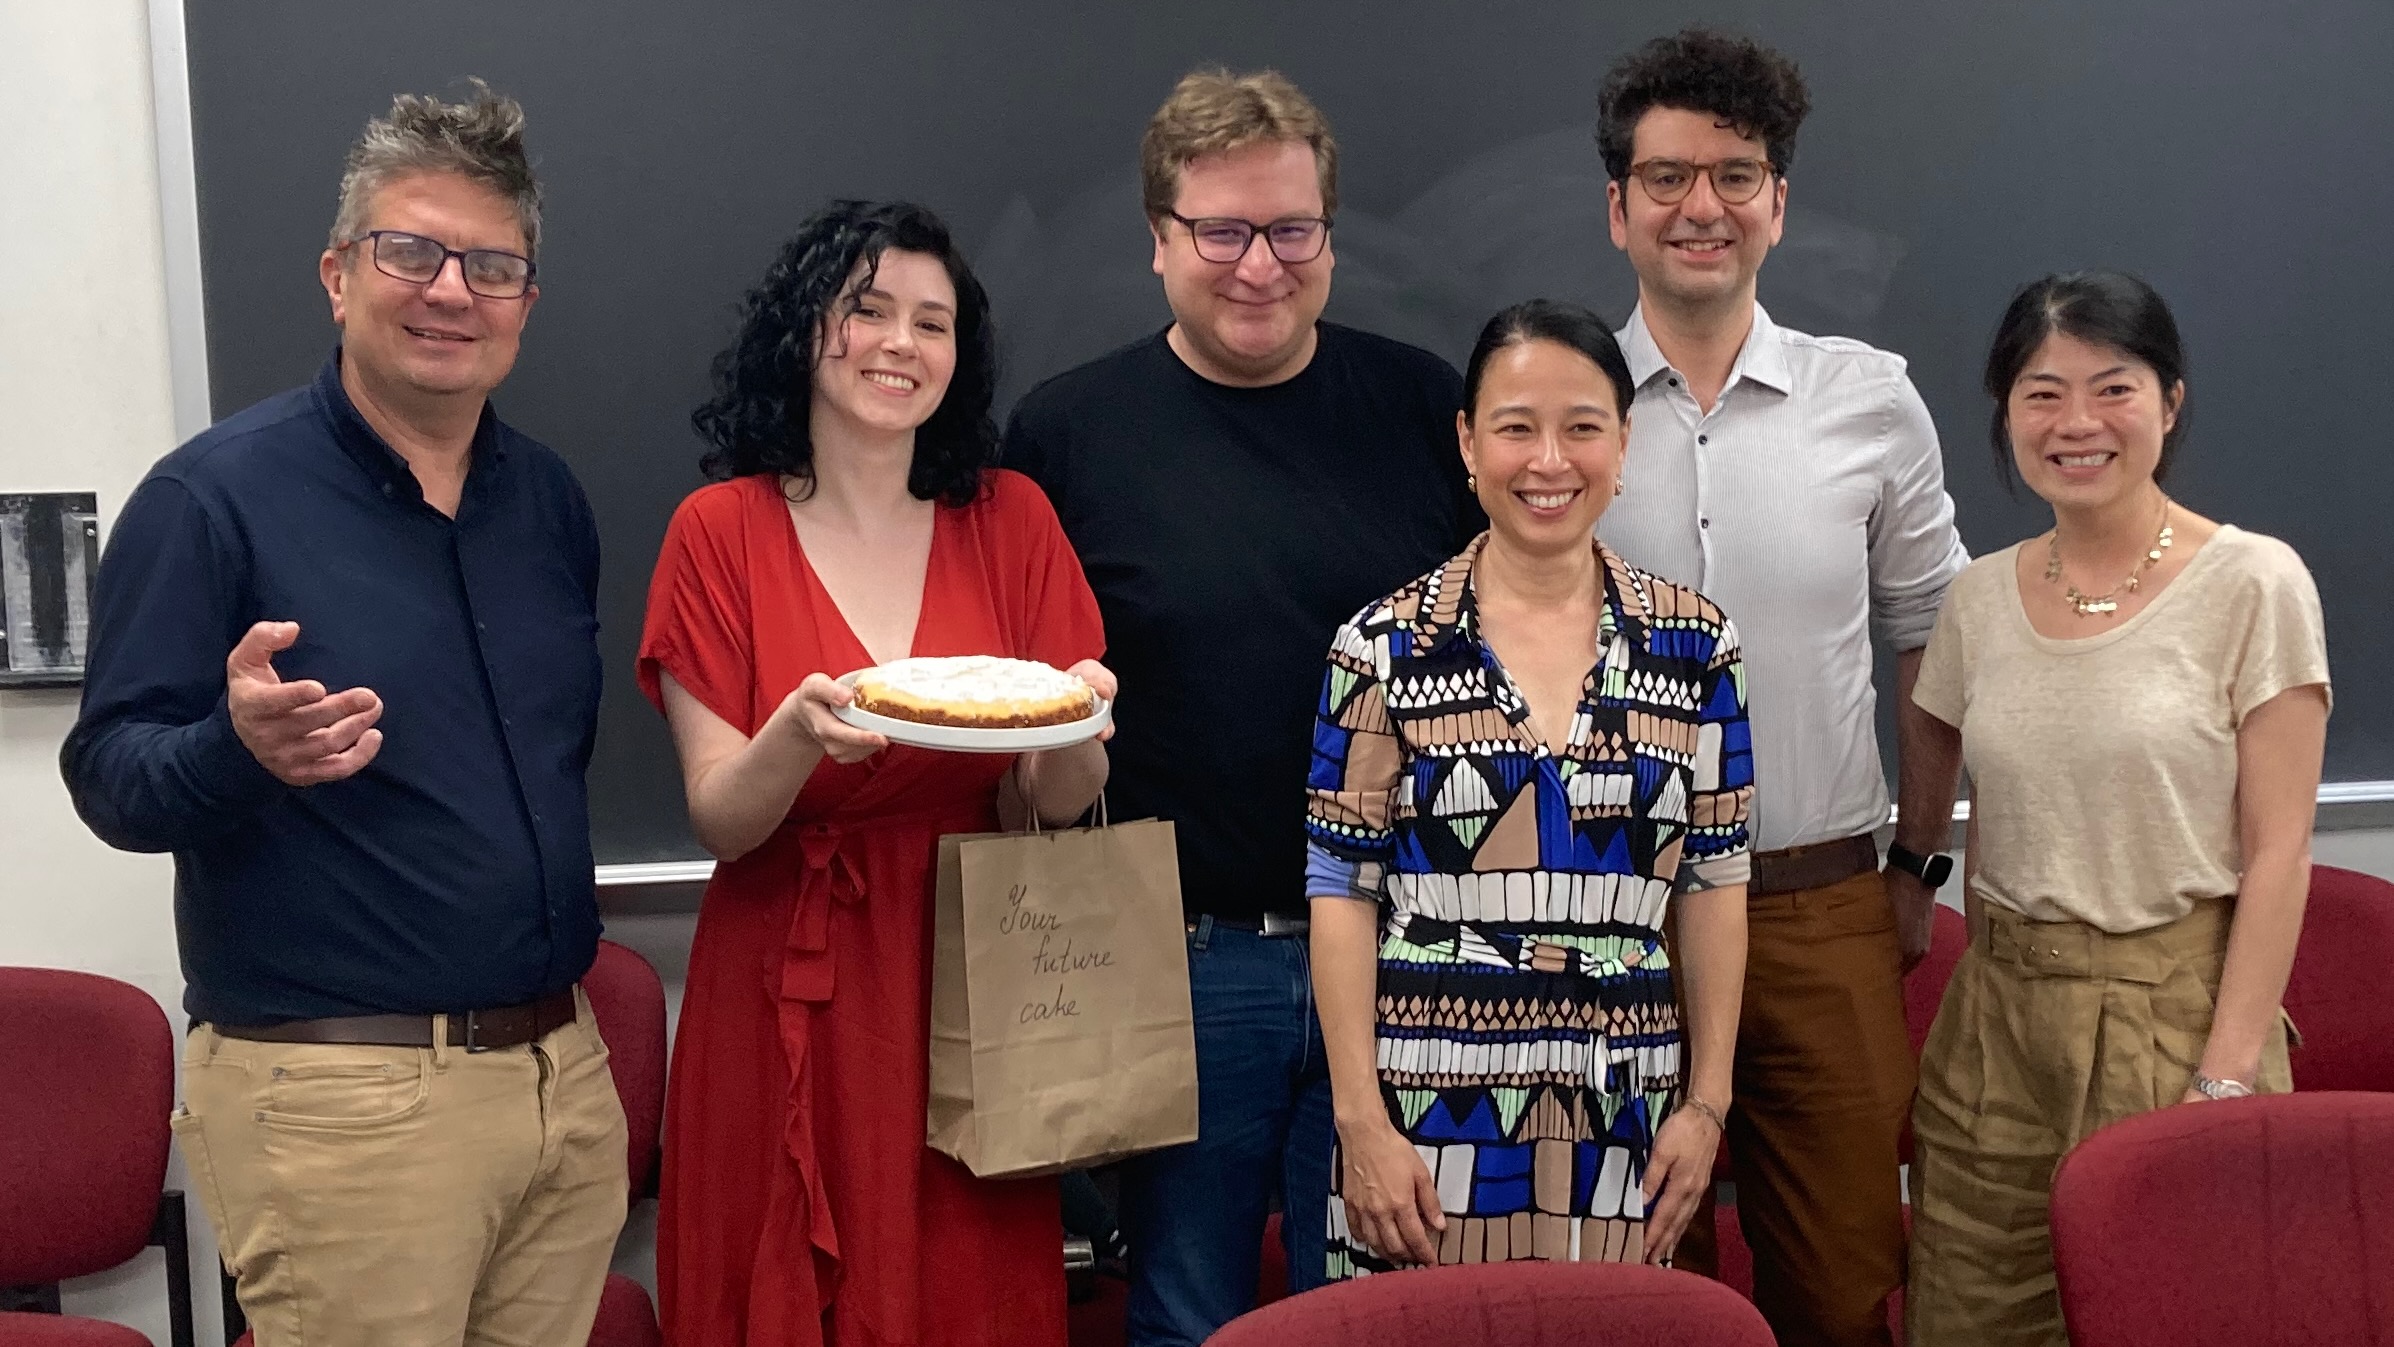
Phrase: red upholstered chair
(1524, 1304)
(1924, 986)
(57, 1330)
(2336, 995)
(2245, 1221)
(628, 1001)
(87, 1079)
(1924, 991)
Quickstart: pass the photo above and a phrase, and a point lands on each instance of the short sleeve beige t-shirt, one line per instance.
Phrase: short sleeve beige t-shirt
(2103, 769)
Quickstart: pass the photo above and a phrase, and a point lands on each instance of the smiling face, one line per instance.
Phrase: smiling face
(2086, 423)
(437, 339)
(1699, 252)
(1545, 440)
(884, 366)
(1249, 322)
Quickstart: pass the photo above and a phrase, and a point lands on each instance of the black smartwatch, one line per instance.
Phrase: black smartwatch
(1930, 870)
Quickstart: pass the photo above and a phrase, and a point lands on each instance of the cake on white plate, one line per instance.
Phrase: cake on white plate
(981, 692)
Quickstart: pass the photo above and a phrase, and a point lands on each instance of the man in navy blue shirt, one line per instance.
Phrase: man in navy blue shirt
(344, 668)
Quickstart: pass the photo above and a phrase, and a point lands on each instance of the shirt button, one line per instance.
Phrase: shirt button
(1674, 383)
(1704, 523)
(1704, 439)
(389, 490)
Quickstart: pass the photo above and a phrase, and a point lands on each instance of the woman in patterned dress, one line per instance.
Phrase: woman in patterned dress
(1526, 764)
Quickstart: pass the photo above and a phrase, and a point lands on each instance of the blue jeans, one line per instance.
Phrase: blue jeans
(1194, 1214)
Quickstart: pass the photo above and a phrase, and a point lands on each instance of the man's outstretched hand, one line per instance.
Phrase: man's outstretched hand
(302, 734)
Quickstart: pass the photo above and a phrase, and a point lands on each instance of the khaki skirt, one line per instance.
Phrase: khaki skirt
(2049, 1031)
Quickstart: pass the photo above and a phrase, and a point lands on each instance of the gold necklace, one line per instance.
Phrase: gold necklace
(2097, 605)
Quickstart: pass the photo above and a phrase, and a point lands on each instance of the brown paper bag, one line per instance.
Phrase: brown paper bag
(1060, 1030)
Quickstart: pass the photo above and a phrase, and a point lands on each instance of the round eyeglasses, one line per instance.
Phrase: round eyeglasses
(1226, 238)
(488, 272)
(1734, 181)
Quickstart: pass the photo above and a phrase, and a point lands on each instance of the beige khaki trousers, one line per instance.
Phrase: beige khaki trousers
(2049, 1031)
(409, 1197)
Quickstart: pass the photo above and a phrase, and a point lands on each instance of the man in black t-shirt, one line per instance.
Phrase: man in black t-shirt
(1237, 486)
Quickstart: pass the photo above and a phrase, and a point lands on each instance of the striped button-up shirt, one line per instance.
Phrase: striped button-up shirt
(1810, 504)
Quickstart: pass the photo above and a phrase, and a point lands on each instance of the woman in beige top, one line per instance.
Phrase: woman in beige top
(2141, 698)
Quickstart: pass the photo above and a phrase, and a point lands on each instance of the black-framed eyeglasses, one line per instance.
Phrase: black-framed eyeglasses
(1735, 181)
(1226, 238)
(488, 272)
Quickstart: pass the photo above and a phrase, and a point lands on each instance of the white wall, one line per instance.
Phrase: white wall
(84, 406)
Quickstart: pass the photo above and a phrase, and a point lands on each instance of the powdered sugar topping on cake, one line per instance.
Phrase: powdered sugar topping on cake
(971, 679)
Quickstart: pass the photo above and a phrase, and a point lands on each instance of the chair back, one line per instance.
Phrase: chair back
(628, 1000)
(2244, 1221)
(1525, 1304)
(1924, 986)
(2336, 995)
(87, 1079)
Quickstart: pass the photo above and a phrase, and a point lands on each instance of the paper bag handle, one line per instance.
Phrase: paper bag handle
(1100, 806)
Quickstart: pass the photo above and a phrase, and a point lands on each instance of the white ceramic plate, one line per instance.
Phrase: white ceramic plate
(957, 739)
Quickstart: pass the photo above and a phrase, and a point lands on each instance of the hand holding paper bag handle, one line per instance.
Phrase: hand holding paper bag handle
(1061, 782)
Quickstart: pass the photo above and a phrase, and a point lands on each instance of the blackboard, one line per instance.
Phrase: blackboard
(2234, 154)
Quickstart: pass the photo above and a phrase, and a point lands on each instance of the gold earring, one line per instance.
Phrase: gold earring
(1619, 486)
(1471, 483)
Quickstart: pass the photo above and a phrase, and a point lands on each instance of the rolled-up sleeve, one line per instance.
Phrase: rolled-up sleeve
(1915, 552)
(1719, 850)
(153, 763)
(1351, 787)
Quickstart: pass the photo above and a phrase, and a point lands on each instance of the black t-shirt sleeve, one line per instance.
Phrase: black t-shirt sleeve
(1442, 392)
(1025, 449)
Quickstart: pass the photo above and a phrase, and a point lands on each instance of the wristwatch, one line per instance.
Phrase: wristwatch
(1930, 870)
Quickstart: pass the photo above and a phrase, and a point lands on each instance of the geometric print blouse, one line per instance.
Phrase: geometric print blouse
(1526, 1033)
(1429, 791)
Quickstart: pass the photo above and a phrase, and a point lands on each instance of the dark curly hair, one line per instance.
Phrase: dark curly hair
(764, 384)
(1755, 90)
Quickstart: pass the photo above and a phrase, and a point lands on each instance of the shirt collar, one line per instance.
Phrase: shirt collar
(1449, 608)
(1763, 357)
(370, 452)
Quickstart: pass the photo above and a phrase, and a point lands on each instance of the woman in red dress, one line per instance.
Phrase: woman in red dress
(852, 522)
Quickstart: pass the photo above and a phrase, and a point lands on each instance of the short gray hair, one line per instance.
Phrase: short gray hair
(481, 139)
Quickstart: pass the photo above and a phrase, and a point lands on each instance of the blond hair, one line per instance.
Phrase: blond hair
(1212, 111)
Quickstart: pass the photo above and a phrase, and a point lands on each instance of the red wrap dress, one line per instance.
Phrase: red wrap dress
(800, 1205)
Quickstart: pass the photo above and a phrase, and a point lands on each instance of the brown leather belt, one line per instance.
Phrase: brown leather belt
(1815, 865)
(473, 1030)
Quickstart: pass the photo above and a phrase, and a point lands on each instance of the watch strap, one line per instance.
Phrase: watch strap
(1932, 870)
